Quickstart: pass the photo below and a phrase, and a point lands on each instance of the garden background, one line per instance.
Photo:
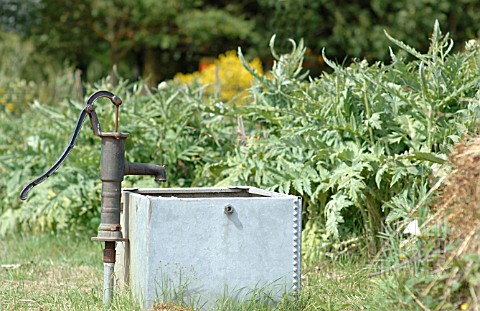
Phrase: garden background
(368, 110)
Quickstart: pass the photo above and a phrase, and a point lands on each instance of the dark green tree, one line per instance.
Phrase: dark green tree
(17, 15)
(156, 39)
(355, 29)
(145, 38)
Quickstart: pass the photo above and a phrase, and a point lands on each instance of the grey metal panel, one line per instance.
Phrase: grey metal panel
(206, 191)
(139, 237)
(186, 242)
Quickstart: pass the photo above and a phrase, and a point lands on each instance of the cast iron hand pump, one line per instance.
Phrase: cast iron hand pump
(88, 109)
(113, 168)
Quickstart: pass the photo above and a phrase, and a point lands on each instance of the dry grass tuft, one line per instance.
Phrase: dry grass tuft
(459, 203)
(169, 307)
(458, 206)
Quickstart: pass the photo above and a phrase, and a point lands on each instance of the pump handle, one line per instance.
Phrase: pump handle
(88, 109)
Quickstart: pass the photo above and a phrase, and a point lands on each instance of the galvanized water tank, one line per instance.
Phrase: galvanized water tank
(207, 244)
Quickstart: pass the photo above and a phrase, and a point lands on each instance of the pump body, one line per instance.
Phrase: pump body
(113, 168)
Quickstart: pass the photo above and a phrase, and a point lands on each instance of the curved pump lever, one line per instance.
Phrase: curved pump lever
(88, 109)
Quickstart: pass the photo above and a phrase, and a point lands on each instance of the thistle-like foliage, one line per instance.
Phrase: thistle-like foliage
(360, 143)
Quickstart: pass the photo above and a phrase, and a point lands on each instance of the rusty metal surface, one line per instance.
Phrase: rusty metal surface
(113, 168)
(109, 254)
(111, 174)
(88, 109)
(117, 102)
(134, 168)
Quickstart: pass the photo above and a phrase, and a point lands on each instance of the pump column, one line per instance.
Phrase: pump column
(112, 167)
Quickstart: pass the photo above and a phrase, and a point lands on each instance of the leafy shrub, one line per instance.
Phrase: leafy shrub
(23, 77)
(173, 126)
(438, 267)
(359, 144)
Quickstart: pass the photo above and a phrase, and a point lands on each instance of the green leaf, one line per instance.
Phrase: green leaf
(333, 210)
(427, 156)
(404, 47)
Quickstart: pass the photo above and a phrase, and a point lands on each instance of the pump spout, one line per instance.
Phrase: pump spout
(133, 168)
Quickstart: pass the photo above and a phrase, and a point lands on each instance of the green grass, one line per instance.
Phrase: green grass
(55, 273)
(65, 273)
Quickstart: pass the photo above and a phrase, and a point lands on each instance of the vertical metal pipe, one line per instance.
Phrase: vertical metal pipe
(108, 283)
(109, 255)
(112, 169)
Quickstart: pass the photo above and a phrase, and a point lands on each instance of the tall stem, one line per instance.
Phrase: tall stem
(367, 111)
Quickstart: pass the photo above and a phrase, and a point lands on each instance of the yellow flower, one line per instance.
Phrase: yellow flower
(10, 107)
(464, 306)
(227, 76)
